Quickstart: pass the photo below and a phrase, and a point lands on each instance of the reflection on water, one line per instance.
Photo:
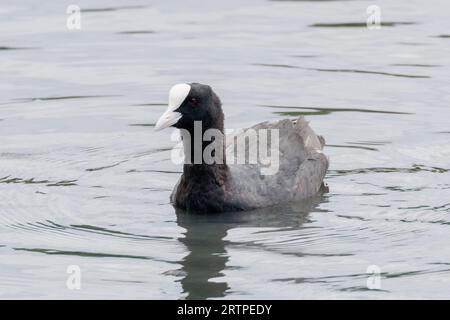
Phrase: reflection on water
(324, 111)
(85, 180)
(205, 240)
(61, 98)
(415, 65)
(137, 32)
(358, 24)
(343, 70)
(108, 9)
(63, 183)
(14, 48)
(79, 253)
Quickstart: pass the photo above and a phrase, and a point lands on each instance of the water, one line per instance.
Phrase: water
(85, 181)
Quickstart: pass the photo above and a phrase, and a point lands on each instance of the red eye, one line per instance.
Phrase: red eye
(193, 102)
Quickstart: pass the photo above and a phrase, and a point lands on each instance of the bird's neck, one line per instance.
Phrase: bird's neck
(204, 144)
(205, 163)
(204, 150)
(199, 174)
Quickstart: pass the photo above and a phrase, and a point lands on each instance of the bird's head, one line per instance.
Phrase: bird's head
(189, 103)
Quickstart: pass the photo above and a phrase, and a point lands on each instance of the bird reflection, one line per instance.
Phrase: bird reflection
(205, 240)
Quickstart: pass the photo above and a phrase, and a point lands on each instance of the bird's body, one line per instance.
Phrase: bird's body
(230, 186)
(218, 188)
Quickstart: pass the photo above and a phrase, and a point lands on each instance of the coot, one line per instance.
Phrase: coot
(219, 186)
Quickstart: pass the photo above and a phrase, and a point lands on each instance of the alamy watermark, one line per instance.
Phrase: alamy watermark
(73, 281)
(73, 21)
(374, 19)
(374, 280)
(258, 147)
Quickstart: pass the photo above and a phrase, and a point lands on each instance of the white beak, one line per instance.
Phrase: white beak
(167, 119)
(177, 94)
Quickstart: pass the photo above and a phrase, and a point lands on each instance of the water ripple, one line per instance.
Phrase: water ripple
(343, 70)
(325, 111)
(109, 9)
(413, 169)
(359, 24)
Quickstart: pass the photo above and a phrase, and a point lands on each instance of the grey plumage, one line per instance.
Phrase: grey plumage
(302, 167)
